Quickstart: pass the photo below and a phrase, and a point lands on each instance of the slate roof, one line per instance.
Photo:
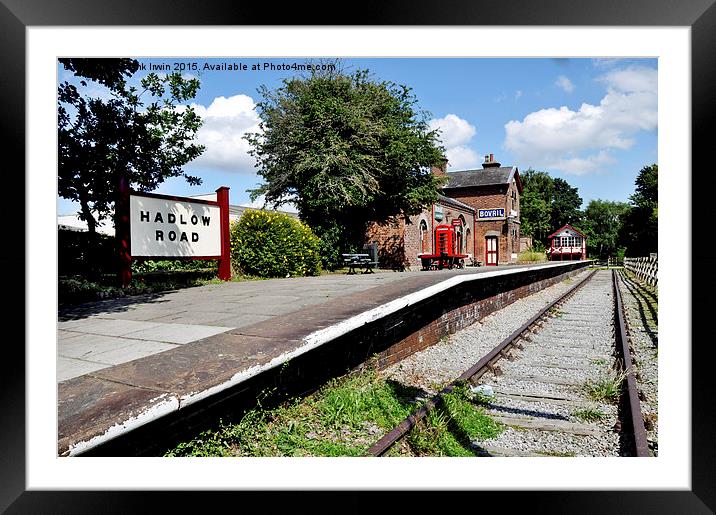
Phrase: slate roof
(455, 203)
(481, 177)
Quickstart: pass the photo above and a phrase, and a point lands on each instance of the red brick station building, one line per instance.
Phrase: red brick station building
(483, 207)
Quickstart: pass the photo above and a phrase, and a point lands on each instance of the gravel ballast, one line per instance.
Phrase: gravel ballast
(540, 395)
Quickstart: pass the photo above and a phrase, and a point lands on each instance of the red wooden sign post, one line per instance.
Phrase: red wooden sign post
(123, 230)
(222, 197)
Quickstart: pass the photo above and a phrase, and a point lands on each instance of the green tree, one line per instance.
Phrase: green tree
(536, 205)
(639, 232)
(346, 150)
(144, 134)
(602, 225)
(566, 204)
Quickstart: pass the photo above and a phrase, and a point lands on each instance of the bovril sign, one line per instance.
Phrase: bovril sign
(491, 214)
(168, 228)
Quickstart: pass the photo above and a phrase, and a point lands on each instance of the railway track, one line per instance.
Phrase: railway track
(559, 383)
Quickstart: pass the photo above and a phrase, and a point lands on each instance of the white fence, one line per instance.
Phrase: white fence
(645, 268)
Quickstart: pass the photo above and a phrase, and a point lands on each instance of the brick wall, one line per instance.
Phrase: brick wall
(390, 237)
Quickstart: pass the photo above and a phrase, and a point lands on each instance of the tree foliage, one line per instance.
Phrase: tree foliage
(602, 225)
(143, 134)
(639, 232)
(566, 204)
(535, 205)
(346, 150)
(546, 205)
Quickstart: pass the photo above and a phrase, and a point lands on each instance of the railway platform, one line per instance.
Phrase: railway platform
(126, 363)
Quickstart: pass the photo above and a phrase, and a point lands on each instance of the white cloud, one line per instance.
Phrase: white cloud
(226, 121)
(564, 83)
(518, 94)
(455, 135)
(462, 157)
(453, 130)
(259, 203)
(580, 141)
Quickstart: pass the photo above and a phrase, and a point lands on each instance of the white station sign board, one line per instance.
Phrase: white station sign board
(168, 228)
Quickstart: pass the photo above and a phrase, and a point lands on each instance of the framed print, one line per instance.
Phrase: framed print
(35, 33)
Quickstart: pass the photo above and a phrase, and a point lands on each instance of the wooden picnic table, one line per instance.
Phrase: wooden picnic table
(354, 261)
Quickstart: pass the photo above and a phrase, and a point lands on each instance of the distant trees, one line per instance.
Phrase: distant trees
(639, 231)
(566, 204)
(601, 223)
(612, 228)
(546, 205)
(346, 150)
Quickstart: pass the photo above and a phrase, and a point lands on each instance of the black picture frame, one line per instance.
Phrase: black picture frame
(16, 15)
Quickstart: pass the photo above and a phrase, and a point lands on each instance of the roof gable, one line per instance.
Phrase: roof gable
(565, 227)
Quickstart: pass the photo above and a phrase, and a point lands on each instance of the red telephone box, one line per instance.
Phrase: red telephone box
(445, 253)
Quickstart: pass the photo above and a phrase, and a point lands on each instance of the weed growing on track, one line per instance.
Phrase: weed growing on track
(589, 414)
(606, 389)
(449, 429)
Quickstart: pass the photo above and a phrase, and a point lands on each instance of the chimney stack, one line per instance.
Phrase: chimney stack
(490, 162)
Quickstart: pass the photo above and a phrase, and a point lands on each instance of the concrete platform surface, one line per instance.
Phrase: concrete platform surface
(124, 362)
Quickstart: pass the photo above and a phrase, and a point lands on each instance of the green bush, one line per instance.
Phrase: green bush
(531, 256)
(270, 244)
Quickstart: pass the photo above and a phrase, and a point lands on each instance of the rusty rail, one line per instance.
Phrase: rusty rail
(635, 414)
(477, 370)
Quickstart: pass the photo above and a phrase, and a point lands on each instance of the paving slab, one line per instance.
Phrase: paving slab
(91, 409)
(192, 369)
(68, 368)
(175, 333)
(106, 326)
(86, 346)
(134, 350)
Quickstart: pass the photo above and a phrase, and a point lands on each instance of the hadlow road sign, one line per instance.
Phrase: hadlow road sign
(153, 226)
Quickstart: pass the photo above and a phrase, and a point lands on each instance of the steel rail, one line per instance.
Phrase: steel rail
(389, 439)
(621, 335)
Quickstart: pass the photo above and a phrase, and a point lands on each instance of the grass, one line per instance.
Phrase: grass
(332, 422)
(449, 429)
(605, 389)
(344, 418)
(589, 414)
(531, 256)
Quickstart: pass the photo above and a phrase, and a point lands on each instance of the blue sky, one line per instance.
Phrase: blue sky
(592, 122)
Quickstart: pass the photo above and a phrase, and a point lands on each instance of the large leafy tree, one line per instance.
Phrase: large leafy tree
(640, 225)
(546, 205)
(347, 150)
(566, 204)
(536, 205)
(140, 133)
(602, 225)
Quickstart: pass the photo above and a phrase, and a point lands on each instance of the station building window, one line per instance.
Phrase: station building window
(424, 237)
